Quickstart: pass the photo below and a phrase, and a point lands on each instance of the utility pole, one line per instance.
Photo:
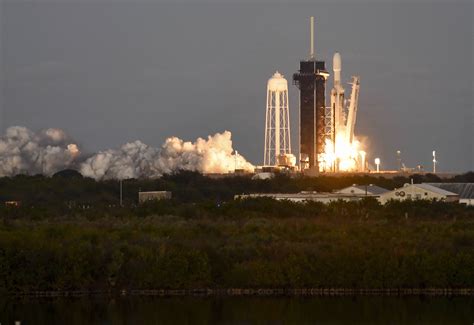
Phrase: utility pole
(2, 82)
(121, 193)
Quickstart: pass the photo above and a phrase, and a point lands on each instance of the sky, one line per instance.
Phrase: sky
(110, 72)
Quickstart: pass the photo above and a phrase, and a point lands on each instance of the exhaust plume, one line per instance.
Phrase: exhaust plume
(138, 160)
(49, 151)
(45, 152)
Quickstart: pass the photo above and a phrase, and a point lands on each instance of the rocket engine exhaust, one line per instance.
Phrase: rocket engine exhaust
(46, 152)
(49, 151)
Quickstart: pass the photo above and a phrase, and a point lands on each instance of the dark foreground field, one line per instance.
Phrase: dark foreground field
(102, 310)
(69, 234)
(239, 244)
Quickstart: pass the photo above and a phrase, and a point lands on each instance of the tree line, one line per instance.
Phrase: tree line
(69, 187)
(252, 243)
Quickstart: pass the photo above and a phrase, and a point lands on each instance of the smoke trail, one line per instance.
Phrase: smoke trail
(138, 160)
(22, 151)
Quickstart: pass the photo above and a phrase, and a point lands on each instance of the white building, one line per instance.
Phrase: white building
(153, 195)
(263, 175)
(372, 190)
(464, 190)
(307, 196)
(419, 192)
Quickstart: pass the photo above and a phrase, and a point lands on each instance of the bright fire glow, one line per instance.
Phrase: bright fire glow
(343, 156)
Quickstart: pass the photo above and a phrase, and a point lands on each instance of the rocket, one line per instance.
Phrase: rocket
(336, 67)
(337, 99)
(343, 116)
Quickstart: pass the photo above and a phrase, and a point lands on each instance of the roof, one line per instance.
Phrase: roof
(374, 189)
(464, 190)
(303, 195)
(371, 189)
(153, 192)
(434, 189)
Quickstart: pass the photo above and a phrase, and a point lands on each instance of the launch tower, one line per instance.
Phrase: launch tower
(311, 81)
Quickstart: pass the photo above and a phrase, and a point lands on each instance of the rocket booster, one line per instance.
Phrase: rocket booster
(337, 98)
(336, 66)
(343, 118)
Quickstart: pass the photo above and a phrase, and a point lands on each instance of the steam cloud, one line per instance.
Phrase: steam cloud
(45, 152)
(52, 150)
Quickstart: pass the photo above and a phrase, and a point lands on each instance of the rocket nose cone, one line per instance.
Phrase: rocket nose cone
(336, 62)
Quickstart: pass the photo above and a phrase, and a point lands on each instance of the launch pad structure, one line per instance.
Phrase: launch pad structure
(311, 81)
(326, 132)
(321, 126)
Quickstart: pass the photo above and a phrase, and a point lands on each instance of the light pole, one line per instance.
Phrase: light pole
(399, 160)
(434, 162)
(121, 193)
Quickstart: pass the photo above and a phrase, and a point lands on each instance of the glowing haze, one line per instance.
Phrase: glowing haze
(49, 151)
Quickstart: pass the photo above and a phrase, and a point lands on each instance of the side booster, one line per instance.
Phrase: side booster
(343, 116)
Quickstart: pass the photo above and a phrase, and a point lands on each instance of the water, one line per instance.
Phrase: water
(239, 310)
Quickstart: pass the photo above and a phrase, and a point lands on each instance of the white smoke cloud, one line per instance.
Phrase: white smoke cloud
(137, 160)
(45, 152)
(48, 151)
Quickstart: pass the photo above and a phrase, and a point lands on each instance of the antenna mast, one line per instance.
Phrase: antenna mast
(311, 54)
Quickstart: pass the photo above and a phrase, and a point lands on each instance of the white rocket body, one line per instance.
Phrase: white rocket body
(343, 116)
(337, 98)
(337, 66)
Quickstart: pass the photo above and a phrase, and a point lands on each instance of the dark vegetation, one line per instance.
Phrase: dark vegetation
(70, 234)
(69, 187)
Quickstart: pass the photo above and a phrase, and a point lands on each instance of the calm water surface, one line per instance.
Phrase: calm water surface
(239, 310)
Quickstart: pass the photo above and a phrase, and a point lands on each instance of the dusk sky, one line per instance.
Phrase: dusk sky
(109, 72)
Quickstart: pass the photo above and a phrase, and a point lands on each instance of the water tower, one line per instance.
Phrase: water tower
(277, 121)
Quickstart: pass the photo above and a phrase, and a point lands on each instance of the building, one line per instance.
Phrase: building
(464, 190)
(13, 204)
(154, 195)
(307, 196)
(419, 192)
(311, 81)
(370, 189)
(263, 175)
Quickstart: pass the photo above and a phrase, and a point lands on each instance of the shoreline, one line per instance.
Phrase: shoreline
(262, 292)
